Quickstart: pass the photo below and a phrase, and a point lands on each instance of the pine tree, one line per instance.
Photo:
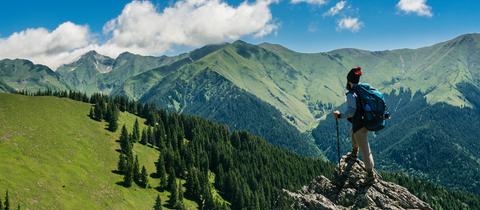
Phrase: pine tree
(173, 194)
(180, 196)
(122, 163)
(1, 204)
(128, 177)
(113, 118)
(97, 110)
(136, 171)
(161, 173)
(144, 177)
(172, 185)
(150, 135)
(158, 204)
(193, 185)
(92, 113)
(144, 137)
(7, 201)
(125, 144)
(136, 131)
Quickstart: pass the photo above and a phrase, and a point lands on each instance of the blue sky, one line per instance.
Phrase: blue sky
(301, 25)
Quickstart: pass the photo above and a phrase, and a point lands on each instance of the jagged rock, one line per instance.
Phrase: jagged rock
(350, 189)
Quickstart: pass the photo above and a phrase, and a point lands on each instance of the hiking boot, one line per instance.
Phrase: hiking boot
(352, 155)
(371, 177)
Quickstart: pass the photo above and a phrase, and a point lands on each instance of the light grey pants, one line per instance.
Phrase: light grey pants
(360, 140)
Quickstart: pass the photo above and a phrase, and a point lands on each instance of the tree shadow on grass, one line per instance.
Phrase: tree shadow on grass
(115, 171)
(121, 183)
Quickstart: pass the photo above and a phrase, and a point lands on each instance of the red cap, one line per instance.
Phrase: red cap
(358, 71)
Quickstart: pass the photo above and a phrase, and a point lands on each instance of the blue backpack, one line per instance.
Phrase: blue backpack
(372, 105)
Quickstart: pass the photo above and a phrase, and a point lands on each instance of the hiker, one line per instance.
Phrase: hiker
(353, 113)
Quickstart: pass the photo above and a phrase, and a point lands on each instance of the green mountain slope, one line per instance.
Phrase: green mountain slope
(137, 86)
(209, 95)
(24, 75)
(53, 156)
(5, 88)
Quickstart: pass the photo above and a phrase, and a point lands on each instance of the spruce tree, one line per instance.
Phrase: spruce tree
(136, 131)
(7, 201)
(122, 163)
(144, 137)
(158, 203)
(128, 177)
(125, 144)
(150, 135)
(144, 177)
(180, 196)
(193, 185)
(92, 113)
(161, 173)
(173, 195)
(97, 110)
(113, 118)
(136, 171)
(172, 185)
(1, 204)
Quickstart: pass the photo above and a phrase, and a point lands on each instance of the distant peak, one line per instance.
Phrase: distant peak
(126, 53)
(90, 53)
(466, 39)
(93, 55)
(239, 42)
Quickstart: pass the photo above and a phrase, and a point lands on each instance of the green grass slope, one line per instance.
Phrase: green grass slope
(53, 156)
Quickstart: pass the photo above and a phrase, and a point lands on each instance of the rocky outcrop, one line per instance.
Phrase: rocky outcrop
(350, 189)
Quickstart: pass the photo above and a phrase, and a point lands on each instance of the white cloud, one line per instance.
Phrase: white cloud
(339, 6)
(349, 23)
(141, 29)
(51, 48)
(418, 7)
(317, 2)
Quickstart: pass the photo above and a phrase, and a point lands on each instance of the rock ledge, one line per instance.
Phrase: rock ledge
(350, 190)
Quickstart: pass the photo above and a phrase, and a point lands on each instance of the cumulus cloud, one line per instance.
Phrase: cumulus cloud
(142, 29)
(339, 6)
(349, 23)
(52, 48)
(317, 2)
(418, 7)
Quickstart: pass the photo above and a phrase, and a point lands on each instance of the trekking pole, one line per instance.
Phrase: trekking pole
(338, 141)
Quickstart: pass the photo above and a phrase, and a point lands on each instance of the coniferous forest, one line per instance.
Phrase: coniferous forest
(247, 172)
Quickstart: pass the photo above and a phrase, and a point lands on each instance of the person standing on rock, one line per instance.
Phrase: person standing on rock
(359, 133)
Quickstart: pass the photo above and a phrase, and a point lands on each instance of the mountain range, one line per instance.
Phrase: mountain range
(286, 96)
